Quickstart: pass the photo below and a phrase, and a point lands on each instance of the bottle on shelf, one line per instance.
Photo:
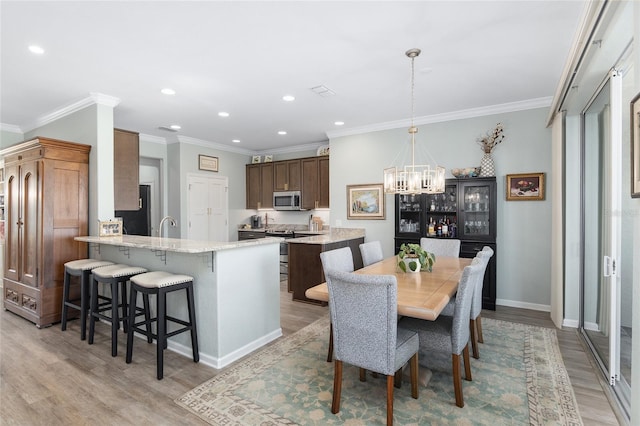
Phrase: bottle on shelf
(439, 228)
(453, 230)
(445, 227)
(432, 227)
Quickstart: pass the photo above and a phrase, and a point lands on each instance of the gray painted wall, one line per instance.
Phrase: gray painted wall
(523, 278)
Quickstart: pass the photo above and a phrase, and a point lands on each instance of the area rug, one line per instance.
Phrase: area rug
(519, 379)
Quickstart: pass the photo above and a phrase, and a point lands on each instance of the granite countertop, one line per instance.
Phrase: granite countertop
(175, 244)
(333, 236)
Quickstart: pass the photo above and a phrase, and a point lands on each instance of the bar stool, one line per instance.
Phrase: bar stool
(112, 275)
(79, 268)
(160, 283)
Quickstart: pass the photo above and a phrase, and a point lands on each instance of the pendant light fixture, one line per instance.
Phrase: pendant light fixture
(414, 178)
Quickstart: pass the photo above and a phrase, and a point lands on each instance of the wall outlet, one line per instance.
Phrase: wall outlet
(338, 223)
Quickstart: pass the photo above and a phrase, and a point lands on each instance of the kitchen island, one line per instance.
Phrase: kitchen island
(305, 267)
(236, 287)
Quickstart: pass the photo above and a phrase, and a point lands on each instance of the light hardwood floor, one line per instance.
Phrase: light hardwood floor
(50, 377)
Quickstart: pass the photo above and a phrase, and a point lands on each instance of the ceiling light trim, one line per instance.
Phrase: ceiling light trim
(544, 102)
(94, 98)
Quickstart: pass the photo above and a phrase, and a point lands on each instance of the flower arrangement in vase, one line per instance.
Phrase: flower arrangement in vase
(413, 258)
(487, 143)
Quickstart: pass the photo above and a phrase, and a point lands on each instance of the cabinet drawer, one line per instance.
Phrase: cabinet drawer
(20, 296)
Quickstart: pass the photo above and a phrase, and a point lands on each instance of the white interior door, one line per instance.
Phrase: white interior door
(208, 209)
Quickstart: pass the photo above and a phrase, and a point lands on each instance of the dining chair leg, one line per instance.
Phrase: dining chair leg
(479, 327)
(474, 339)
(363, 374)
(397, 379)
(457, 380)
(467, 363)
(390, 383)
(337, 387)
(330, 351)
(413, 368)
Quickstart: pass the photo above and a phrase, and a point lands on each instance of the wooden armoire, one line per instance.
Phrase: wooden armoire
(47, 202)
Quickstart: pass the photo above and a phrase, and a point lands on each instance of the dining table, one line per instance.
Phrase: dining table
(421, 294)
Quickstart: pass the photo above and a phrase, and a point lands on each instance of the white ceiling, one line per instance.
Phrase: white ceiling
(242, 57)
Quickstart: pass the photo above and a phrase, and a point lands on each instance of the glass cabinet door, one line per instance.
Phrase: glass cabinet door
(410, 219)
(477, 213)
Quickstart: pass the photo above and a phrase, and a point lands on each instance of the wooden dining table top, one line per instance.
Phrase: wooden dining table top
(420, 294)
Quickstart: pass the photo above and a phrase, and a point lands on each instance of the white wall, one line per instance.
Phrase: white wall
(523, 277)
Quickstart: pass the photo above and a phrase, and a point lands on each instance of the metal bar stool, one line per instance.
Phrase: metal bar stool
(112, 275)
(79, 268)
(160, 283)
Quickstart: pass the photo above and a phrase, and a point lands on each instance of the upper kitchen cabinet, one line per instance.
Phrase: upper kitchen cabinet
(126, 170)
(260, 186)
(315, 182)
(286, 175)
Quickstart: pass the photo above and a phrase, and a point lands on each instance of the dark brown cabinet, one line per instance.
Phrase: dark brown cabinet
(259, 189)
(126, 170)
(469, 208)
(315, 182)
(286, 175)
(46, 198)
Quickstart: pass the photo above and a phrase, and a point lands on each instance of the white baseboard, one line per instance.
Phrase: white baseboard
(218, 363)
(523, 305)
(570, 323)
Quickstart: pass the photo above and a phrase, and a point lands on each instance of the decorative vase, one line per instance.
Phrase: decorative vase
(412, 263)
(487, 167)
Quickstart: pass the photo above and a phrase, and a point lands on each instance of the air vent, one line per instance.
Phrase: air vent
(323, 91)
(168, 129)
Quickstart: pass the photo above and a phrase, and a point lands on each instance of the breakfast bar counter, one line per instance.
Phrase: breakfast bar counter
(236, 286)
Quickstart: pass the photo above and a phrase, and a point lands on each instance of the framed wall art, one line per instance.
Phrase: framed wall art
(255, 159)
(525, 187)
(110, 228)
(635, 147)
(206, 162)
(365, 201)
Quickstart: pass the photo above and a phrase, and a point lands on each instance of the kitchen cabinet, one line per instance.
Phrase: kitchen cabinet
(259, 186)
(315, 182)
(286, 175)
(46, 206)
(468, 206)
(126, 170)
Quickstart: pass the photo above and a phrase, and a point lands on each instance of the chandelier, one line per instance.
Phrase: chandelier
(414, 178)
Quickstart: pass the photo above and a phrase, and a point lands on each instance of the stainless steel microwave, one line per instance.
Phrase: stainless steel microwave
(287, 200)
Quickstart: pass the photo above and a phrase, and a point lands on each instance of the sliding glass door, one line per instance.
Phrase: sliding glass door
(603, 312)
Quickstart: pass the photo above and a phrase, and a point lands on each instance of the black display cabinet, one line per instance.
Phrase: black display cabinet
(468, 207)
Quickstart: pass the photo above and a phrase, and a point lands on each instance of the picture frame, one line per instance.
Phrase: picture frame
(268, 158)
(525, 187)
(110, 228)
(635, 146)
(208, 163)
(255, 159)
(365, 201)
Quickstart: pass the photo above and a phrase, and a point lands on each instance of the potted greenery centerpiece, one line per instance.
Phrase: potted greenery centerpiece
(413, 258)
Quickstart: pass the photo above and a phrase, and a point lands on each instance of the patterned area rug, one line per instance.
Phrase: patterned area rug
(519, 379)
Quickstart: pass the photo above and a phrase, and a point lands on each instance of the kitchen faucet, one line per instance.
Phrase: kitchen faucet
(172, 222)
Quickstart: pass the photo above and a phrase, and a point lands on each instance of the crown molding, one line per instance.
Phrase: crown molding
(207, 144)
(447, 116)
(94, 98)
(297, 148)
(152, 139)
(10, 128)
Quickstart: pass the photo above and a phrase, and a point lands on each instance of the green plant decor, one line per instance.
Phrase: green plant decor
(411, 250)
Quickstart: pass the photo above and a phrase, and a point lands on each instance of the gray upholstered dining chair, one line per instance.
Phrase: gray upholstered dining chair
(340, 260)
(475, 323)
(451, 334)
(371, 252)
(449, 247)
(366, 334)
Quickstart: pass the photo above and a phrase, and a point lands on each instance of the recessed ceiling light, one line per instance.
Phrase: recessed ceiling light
(175, 127)
(223, 114)
(168, 91)
(339, 123)
(282, 132)
(288, 98)
(36, 49)
(236, 141)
